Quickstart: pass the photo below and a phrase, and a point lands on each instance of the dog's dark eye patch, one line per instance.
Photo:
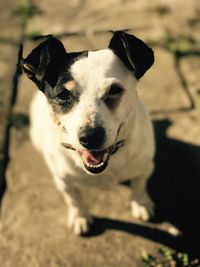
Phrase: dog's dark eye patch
(59, 97)
(63, 95)
(62, 100)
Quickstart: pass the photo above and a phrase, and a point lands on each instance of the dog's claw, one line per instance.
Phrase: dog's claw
(141, 212)
(80, 224)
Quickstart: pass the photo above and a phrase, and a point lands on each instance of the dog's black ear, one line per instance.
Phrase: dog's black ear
(45, 62)
(133, 52)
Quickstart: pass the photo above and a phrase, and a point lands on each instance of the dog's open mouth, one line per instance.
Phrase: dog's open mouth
(95, 161)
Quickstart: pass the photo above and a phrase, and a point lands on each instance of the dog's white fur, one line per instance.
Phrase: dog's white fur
(134, 160)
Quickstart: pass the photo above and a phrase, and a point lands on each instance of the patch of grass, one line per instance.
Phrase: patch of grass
(168, 258)
(26, 10)
(181, 46)
(33, 35)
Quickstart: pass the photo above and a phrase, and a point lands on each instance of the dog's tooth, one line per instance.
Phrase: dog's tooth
(99, 165)
(89, 165)
(96, 166)
(105, 156)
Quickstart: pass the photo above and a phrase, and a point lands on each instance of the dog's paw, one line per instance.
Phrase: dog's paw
(79, 223)
(141, 211)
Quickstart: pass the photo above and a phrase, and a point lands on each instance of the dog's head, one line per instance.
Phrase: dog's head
(91, 94)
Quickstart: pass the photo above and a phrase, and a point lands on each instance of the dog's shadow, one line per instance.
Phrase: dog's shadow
(100, 225)
(175, 185)
(175, 189)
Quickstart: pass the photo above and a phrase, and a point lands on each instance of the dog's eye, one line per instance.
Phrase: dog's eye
(113, 95)
(63, 95)
(115, 91)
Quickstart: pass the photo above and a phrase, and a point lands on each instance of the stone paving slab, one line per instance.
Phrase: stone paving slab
(8, 68)
(10, 35)
(163, 82)
(186, 127)
(190, 67)
(152, 20)
(6, 84)
(10, 21)
(94, 15)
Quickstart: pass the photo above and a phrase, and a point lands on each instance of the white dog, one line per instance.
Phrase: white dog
(88, 121)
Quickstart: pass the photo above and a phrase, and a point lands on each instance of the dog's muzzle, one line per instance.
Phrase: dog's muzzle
(96, 161)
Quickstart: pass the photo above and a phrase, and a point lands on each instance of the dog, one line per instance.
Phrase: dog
(89, 123)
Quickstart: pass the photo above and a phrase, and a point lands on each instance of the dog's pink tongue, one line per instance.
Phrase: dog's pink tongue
(92, 157)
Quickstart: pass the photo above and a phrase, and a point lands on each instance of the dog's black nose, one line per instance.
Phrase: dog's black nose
(92, 138)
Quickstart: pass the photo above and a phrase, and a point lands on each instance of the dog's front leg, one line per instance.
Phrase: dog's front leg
(78, 217)
(142, 206)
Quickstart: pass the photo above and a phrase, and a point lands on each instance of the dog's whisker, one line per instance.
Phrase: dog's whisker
(68, 146)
